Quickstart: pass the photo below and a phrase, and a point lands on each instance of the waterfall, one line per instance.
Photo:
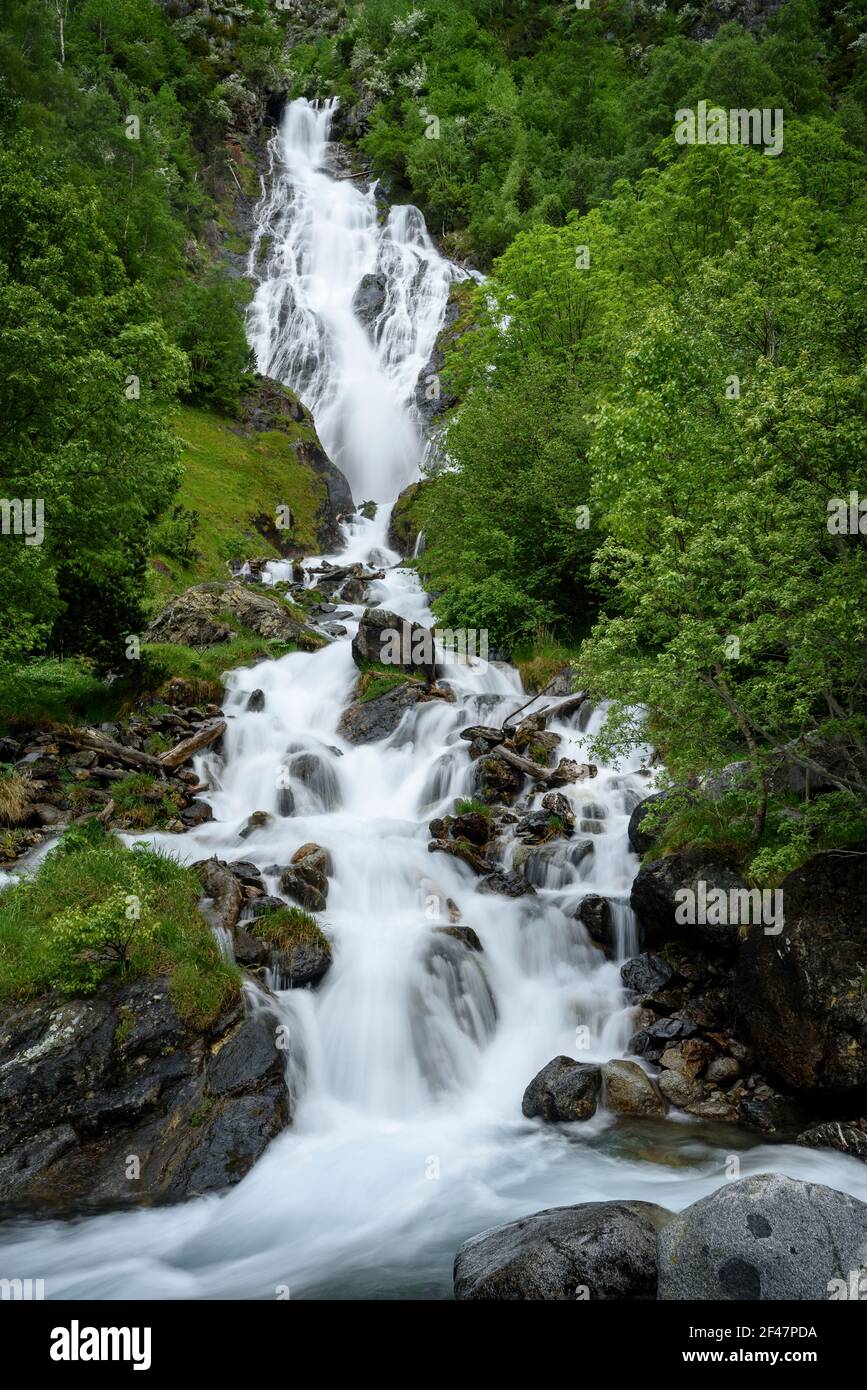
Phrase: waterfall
(409, 1060)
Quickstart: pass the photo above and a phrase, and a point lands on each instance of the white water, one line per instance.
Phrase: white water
(407, 1067)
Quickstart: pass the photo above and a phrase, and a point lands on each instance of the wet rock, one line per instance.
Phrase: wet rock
(564, 1090)
(595, 914)
(723, 1071)
(464, 934)
(368, 721)
(680, 1090)
(260, 907)
(556, 804)
(630, 1091)
(689, 1057)
(86, 1083)
(646, 974)
(463, 850)
(259, 820)
(285, 802)
(799, 992)
(320, 779)
(246, 871)
(472, 826)
(223, 890)
(197, 813)
(652, 1041)
(567, 770)
(402, 527)
(256, 701)
(845, 1137)
(307, 895)
(368, 301)
(771, 1114)
(510, 884)
(766, 1238)
(598, 1250)
(250, 950)
(384, 638)
(495, 780)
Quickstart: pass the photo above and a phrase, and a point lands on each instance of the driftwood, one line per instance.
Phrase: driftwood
(188, 746)
(565, 771)
(525, 765)
(100, 743)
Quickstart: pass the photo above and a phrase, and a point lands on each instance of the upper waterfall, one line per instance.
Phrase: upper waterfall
(318, 238)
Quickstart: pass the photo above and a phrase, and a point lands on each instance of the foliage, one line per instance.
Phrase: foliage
(96, 911)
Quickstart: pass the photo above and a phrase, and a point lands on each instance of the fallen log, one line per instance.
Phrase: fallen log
(565, 771)
(100, 743)
(525, 765)
(188, 746)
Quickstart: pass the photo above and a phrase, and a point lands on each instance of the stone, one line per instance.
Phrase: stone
(766, 1237)
(598, 1251)
(630, 1091)
(564, 1090)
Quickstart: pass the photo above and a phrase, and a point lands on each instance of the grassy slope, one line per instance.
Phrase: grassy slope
(230, 480)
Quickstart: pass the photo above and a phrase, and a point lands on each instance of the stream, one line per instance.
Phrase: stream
(408, 1062)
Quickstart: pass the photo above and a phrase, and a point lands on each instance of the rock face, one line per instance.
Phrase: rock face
(192, 619)
(700, 871)
(643, 840)
(845, 1138)
(599, 1250)
(86, 1083)
(402, 529)
(800, 993)
(765, 1237)
(563, 1090)
(368, 301)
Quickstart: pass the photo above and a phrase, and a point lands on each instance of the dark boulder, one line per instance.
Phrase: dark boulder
(800, 993)
(643, 840)
(563, 1090)
(594, 913)
(658, 898)
(385, 639)
(598, 1250)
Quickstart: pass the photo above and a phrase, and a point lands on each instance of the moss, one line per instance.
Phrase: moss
(464, 807)
(376, 681)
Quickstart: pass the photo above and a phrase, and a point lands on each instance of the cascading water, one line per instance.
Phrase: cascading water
(408, 1062)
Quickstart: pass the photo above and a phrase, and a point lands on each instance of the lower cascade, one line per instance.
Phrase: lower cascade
(407, 1062)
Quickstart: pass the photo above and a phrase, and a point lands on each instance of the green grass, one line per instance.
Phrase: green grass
(291, 926)
(97, 911)
(134, 801)
(230, 481)
(465, 807)
(49, 692)
(376, 681)
(539, 661)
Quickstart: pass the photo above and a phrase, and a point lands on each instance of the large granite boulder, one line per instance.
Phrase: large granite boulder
(598, 1250)
(765, 1237)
